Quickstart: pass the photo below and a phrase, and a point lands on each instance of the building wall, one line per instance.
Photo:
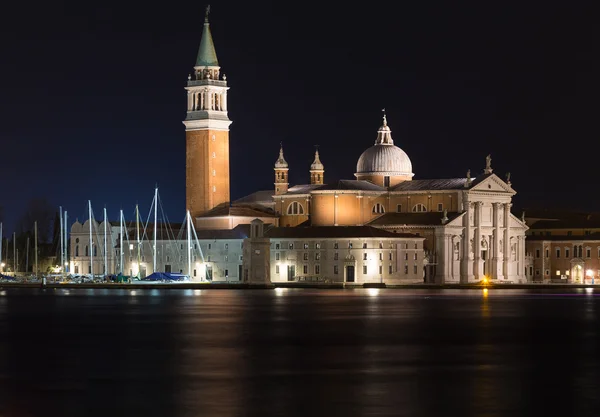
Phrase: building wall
(207, 169)
(328, 259)
(556, 259)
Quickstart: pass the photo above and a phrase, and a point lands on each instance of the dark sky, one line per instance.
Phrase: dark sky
(92, 95)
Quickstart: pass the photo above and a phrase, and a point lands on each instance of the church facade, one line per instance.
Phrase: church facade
(467, 223)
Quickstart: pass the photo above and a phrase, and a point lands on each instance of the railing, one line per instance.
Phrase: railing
(219, 83)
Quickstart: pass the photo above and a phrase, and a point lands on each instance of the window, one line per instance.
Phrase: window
(317, 256)
(406, 256)
(548, 233)
(277, 246)
(95, 250)
(295, 208)
(317, 269)
(380, 245)
(226, 258)
(214, 172)
(365, 269)
(598, 251)
(77, 250)
(419, 208)
(335, 245)
(547, 253)
(557, 253)
(566, 252)
(364, 256)
(306, 256)
(557, 272)
(399, 208)
(415, 269)
(305, 269)
(569, 233)
(349, 245)
(380, 256)
(335, 269)
(214, 188)
(194, 272)
(77, 240)
(306, 246)
(214, 155)
(440, 207)
(588, 252)
(416, 245)
(364, 246)
(291, 246)
(76, 269)
(209, 246)
(335, 256)
(567, 272)
(208, 258)
(277, 256)
(378, 209)
(87, 250)
(390, 256)
(386, 181)
(416, 256)
(547, 272)
(317, 246)
(537, 253)
(406, 269)
(390, 269)
(587, 232)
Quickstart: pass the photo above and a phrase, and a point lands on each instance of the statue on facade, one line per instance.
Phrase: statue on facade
(508, 178)
(445, 216)
(468, 182)
(488, 164)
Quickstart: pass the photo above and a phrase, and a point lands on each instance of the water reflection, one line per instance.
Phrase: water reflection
(298, 352)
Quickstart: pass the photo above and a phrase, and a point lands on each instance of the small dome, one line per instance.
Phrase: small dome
(317, 165)
(388, 159)
(281, 162)
(384, 157)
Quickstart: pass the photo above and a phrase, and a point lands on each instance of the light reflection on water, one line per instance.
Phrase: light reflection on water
(289, 352)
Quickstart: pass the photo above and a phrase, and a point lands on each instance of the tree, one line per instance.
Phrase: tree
(41, 211)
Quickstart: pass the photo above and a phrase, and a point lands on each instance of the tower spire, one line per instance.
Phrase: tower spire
(281, 173)
(317, 169)
(207, 56)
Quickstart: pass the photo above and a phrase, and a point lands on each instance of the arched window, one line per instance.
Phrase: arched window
(77, 250)
(378, 209)
(419, 208)
(295, 208)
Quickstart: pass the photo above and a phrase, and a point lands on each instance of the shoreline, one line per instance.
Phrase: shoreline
(245, 286)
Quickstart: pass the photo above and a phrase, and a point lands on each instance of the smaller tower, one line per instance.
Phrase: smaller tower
(316, 170)
(281, 174)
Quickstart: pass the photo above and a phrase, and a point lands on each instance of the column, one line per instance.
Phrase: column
(190, 97)
(465, 262)
(200, 102)
(505, 268)
(224, 104)
(477, 241)
(496, 261)
(207, 102)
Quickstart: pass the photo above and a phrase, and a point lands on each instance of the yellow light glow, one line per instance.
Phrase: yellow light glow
(279, 291)
(589, 273)
(373, 292)
(485, 292)
(484, 280)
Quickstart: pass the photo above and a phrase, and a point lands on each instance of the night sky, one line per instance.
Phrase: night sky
(92, 95)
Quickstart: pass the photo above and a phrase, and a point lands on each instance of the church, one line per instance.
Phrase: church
(467, 223)
(383, 225)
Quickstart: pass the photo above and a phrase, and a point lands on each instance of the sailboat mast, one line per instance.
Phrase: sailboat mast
(121, 241)
(35, 238)
(67, 263)
(27, 256)
(62, 247)
(91, 241)
(189, 244)
(155, 219)
(137, 233)
(105, 247)
(15, 252)
(1, 238)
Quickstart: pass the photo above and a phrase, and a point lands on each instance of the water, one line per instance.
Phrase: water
(291, 352)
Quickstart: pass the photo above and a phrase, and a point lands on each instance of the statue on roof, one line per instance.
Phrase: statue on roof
(488, 164)
(508, 178)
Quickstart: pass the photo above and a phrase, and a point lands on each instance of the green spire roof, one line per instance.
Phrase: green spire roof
(207, 57)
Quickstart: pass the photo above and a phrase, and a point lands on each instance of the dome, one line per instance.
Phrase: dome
(381, 158)
(384, 157)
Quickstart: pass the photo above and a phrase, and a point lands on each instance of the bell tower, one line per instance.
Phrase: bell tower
(281, 174)
(317, 170)
(206, 131)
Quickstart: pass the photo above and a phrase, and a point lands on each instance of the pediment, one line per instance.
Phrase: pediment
(515, 222)
(493, 184)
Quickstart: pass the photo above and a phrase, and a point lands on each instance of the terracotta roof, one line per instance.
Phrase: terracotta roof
(263, 197)
(332, 232)
(433, 218)
(358, 185)
(241, 231)
(302, 188)
(572, 223)
(439, 184)
(239, 211)
(590, 237)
